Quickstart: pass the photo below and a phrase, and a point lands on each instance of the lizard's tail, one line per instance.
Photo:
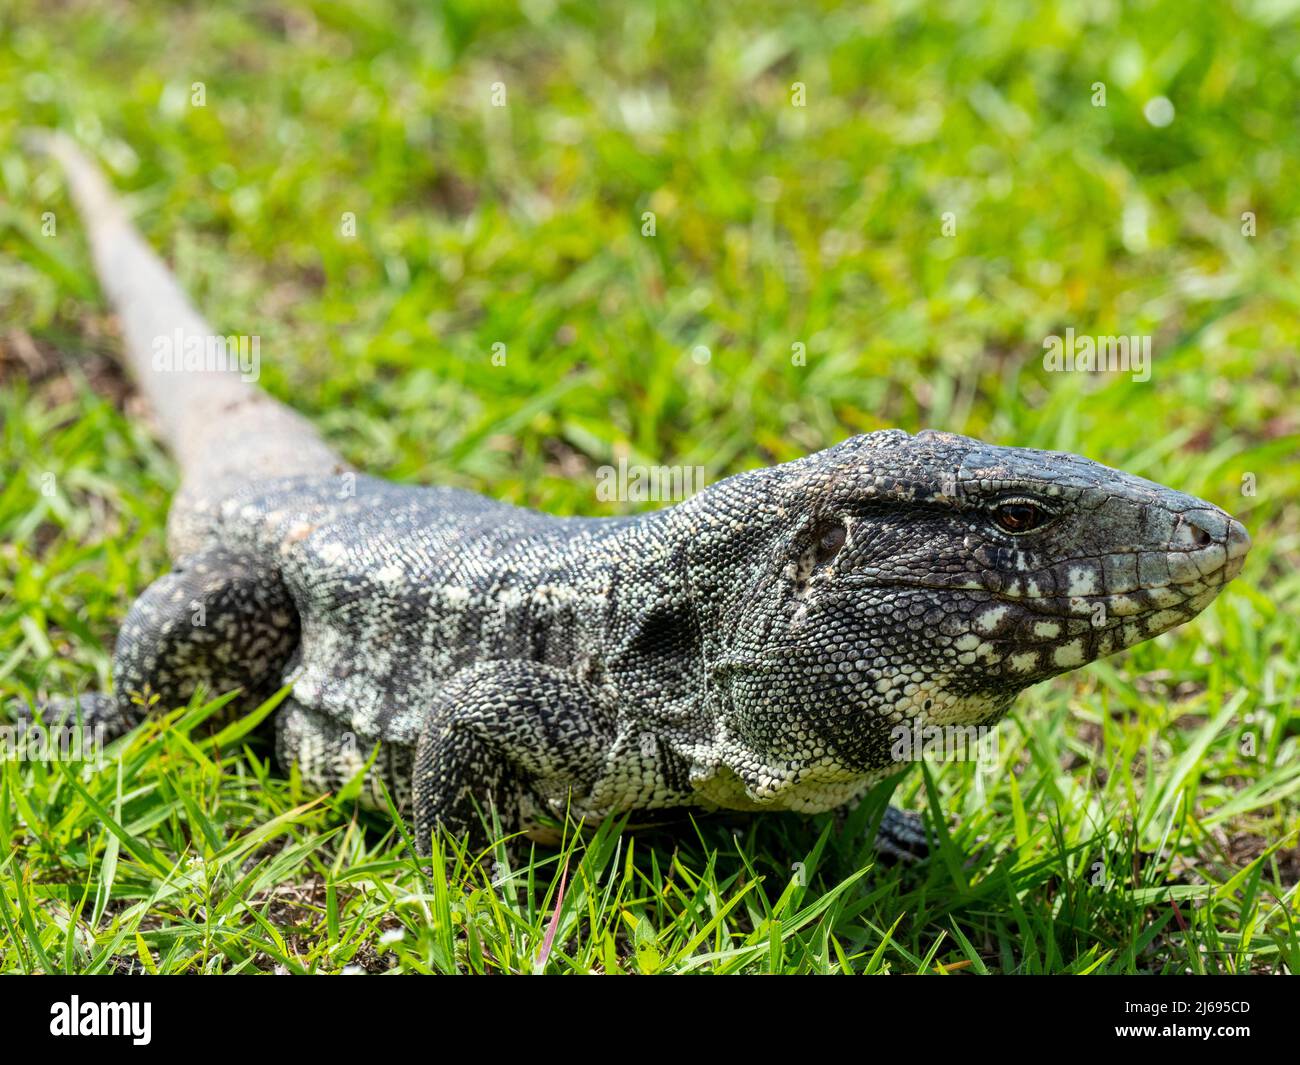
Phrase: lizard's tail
(223, 429)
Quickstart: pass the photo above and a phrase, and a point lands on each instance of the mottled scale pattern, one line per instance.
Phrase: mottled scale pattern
(750, 648)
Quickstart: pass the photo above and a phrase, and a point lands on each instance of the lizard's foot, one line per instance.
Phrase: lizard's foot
(901, 837)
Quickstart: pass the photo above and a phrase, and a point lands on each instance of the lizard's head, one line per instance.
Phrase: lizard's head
(927, 579)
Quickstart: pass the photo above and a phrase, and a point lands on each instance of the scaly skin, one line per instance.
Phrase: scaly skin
(755, 647)
(752, 648)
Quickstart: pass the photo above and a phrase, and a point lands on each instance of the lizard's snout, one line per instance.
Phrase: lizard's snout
(1206, 544)
(1238, 547)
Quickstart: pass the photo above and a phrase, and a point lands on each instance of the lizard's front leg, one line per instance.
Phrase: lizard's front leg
(519, 738)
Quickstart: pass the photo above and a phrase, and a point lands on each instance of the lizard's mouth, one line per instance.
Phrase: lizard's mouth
(1196, 560)
(1026, 625)
(1205, 553)
(1158, 592)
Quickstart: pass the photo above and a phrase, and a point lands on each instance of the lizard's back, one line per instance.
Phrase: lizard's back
(399, 586)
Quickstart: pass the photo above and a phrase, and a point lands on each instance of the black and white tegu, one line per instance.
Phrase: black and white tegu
(752, 648)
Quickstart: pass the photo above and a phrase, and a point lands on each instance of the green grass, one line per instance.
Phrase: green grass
(1142, 814)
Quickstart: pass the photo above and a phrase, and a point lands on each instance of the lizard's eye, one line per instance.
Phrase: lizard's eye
(830, 538)
(1017, 516)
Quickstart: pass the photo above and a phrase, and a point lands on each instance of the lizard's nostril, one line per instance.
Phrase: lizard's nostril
(1204, 527)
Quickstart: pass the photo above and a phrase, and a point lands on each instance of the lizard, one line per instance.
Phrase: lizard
(753, 647)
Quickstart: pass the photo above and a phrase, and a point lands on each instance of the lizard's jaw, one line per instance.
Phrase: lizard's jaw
(1123, 600)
